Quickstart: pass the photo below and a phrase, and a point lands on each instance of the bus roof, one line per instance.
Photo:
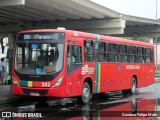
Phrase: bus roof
(91, 36)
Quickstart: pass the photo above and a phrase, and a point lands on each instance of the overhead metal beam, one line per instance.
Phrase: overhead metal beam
(115, 26)
(109, 27)
(142, 30)
(11, 2)
(148, 31)
(115, 23)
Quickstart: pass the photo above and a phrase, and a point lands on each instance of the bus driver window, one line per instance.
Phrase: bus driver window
(70, 56)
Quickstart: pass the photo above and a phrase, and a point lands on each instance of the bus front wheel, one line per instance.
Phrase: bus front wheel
(86, 93)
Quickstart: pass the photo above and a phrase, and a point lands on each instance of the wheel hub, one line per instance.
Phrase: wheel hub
(85, 93)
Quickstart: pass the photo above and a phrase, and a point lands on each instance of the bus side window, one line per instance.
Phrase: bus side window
(148, 55)
(112, 52)
(100, 51)
(140, 55)
(70, 55)
(74, 57)
(122, 49)
(132, 54)
(152, 55)
(88, 51)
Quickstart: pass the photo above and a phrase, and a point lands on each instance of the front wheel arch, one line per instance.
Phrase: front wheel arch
(86, 94)
(90, 82)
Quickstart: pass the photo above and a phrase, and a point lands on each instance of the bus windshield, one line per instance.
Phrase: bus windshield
(38, 58)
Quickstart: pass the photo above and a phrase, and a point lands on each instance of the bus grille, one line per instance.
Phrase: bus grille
(28, 91)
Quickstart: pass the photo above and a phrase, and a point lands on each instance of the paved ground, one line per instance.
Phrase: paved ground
(112, 107)
(6, 95)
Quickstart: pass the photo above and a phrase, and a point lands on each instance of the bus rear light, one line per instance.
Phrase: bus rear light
(58, 82)
(15, 81)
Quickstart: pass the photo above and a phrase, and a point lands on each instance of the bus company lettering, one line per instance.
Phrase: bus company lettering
(134, 67)
(86, 69)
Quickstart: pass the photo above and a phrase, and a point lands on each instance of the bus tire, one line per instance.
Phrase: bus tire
(133, 87)
(86, 94)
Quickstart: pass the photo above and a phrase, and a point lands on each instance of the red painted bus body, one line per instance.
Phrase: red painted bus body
(103, 76)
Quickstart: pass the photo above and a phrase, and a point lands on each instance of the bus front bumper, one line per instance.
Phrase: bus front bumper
(46, 92)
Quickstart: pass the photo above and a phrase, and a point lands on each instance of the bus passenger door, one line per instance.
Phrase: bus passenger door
(74, 64)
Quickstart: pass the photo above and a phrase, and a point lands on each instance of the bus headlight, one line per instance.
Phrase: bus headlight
(58, 82)
(15, 81)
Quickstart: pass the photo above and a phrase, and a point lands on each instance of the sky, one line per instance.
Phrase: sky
(139, 8)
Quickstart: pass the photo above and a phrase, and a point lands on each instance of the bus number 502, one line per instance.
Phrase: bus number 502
(45, 84)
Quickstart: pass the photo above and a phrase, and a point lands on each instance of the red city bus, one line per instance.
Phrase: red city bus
(65, 63)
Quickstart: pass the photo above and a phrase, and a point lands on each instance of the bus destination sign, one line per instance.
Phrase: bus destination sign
(38, 36)
(41, 36)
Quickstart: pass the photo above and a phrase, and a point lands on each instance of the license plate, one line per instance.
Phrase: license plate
(34, 94)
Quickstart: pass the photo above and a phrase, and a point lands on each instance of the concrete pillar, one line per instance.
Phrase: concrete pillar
(157, 53)
(12, 2)
(11, 40)
(151, 40)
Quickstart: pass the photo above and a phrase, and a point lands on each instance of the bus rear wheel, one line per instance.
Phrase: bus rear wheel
(86, 93)
(133, 87)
